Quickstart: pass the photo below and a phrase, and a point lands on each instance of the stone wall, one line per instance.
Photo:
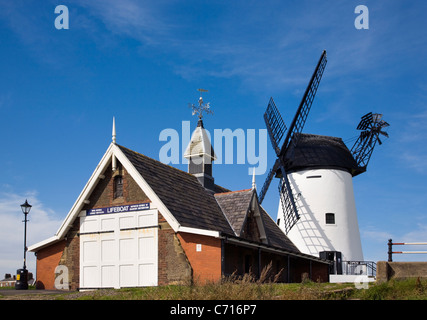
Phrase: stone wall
(400, 270)
(174, 267)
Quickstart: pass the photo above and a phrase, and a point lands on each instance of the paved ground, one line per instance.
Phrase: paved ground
(11, 294)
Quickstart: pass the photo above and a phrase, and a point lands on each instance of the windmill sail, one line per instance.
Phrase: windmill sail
(267, 181)
(275, 126)
(307, 100)
(276, 129)
(371, 125)
(290, 212)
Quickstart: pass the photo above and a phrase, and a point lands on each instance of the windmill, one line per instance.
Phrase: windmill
(317, 209)
(276, 129)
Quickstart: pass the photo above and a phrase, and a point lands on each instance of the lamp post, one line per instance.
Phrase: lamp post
(22, 274)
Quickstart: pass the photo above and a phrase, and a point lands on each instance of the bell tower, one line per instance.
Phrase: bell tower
(199, 152)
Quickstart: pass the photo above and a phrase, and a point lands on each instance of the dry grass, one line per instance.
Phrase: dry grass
(248, 287)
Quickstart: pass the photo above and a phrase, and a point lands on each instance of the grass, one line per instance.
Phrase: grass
(409, 289)
(248, 288)
(224, 291)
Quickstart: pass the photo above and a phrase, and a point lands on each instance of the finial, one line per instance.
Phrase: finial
(201, 107)
(253, 179)
(114, 131)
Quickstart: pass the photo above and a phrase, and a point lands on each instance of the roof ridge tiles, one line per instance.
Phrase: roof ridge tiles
(224, 193)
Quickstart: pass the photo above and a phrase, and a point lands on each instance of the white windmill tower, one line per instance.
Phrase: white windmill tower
(317, 209)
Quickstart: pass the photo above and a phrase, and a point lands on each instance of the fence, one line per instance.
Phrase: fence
(368, 268)
(391, 252)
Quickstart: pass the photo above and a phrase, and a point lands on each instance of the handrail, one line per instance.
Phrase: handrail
(391, 244)
(350, 267)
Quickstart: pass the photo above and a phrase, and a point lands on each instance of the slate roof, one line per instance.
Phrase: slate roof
(236, 204)
(181, 193)
(275, 235)
(316, 151)
(196, 207)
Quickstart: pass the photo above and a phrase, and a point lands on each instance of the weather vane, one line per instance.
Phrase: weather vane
(202, 107)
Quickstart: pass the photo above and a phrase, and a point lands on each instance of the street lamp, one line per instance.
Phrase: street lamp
(22, 274)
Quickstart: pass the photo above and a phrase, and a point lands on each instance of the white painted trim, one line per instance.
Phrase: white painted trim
(78, 204)
(146, 188)
(87, 190)
(202, 232)
(43, 243)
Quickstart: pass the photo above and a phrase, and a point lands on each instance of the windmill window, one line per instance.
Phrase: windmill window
(118, 187)
(330, 218)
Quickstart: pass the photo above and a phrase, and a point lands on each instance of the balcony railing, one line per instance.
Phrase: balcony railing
(368, 268)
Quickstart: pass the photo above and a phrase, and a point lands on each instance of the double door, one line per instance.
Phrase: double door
(119, 250)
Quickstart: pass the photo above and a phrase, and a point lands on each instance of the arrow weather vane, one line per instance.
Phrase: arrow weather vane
(201, 107)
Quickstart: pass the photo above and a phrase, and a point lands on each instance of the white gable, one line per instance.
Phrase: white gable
(112, 152)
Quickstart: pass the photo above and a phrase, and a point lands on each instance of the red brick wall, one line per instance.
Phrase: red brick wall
(47, 260)
(206, 263)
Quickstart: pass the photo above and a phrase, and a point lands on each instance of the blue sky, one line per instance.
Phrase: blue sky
(142, 61)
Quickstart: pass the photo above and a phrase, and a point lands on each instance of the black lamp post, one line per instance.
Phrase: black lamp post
(22, 274)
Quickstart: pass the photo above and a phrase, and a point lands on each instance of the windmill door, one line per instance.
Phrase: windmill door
(118, 250)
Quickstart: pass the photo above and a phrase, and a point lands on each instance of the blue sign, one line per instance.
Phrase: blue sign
(119, 209)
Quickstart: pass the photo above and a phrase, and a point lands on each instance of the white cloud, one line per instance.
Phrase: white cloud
(374, 235)
(375, 241)
(138, 20)
(415, 160)
(42, 225)
(417, 235)
(411, 139)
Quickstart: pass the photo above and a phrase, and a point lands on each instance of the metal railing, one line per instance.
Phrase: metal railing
(368, 268)
(391, 252)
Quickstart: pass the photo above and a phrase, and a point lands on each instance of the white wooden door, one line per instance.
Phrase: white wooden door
(119, 250)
